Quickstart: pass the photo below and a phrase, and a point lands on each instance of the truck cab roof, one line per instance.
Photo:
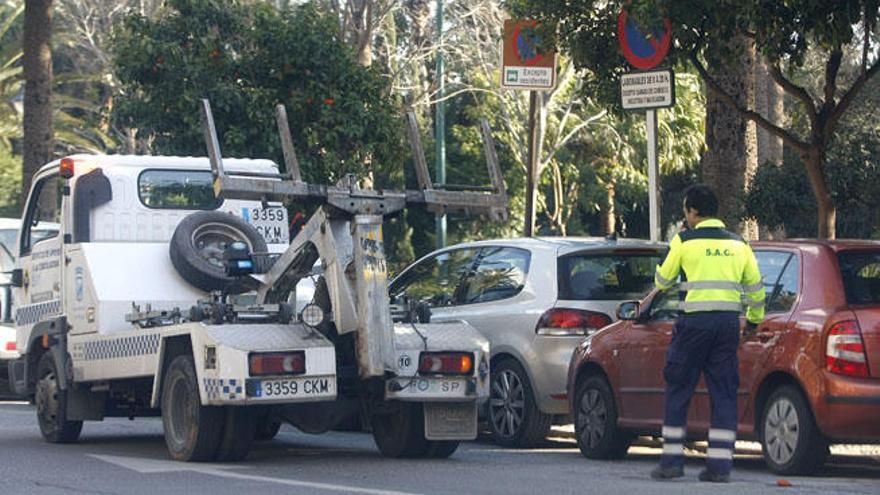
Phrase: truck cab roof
(167, 162)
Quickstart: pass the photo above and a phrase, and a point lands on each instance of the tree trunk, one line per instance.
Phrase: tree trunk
(609, 225)
(814, 161)
(776, 114)
(768, 103)
(37, 62)
(730, 161)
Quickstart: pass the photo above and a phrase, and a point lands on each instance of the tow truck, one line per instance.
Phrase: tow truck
(171, 290)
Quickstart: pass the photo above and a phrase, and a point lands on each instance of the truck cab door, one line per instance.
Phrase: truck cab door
(39, 257)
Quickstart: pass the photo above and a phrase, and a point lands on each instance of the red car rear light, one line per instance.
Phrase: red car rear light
(446, 363)
(568, 322)
(845, 350)
(10, 346)
(277, 363)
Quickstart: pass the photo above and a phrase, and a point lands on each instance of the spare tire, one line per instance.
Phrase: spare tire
(199, 242)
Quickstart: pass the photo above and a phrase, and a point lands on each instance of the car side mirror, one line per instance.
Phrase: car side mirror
(628, 311)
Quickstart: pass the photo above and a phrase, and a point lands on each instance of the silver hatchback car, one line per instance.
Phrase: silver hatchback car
(534, 299)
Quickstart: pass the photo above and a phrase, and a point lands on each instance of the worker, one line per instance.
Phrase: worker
(720, 276)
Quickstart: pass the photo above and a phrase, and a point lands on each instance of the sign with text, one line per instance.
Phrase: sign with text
(647, 90)
(525, 64)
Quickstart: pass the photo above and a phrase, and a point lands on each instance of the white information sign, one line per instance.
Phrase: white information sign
(647, 90)
(528, 77)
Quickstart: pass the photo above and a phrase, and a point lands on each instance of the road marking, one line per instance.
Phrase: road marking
(150, 466)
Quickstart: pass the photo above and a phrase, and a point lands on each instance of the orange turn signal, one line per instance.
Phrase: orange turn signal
(446, 363)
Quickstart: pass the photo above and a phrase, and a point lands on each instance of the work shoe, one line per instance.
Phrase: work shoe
(667, 472)
(706, 475)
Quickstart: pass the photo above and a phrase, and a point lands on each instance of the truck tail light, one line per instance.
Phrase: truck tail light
(845, 350)
(277, 363)
(562, 322)
(446, 363)
(10, 346)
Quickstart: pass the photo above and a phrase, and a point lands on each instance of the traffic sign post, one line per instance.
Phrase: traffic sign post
(527, 65)
(647, 90)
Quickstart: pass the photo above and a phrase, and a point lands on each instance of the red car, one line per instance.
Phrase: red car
(809, 377)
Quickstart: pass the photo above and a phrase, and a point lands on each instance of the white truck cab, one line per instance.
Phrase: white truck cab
(132, 309)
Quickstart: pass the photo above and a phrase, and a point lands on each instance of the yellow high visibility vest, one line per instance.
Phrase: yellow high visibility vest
(720, 269)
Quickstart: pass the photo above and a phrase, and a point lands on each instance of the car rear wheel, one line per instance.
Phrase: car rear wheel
(595, 421)
(791, 441)
(51, 402)
(514, 417)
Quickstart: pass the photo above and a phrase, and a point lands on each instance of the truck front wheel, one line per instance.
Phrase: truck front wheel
(51, 404)
(192, 431)
(400, 431)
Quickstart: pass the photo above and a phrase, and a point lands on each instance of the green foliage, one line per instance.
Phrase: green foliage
(781, 196)
(246, 57)
(10, 184)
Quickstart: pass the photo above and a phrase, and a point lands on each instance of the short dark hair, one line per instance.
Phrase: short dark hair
(700, 197)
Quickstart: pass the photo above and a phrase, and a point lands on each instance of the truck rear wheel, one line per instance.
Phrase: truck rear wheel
(401, 431)
(441, 449)
(268, 425)
(51, 404)
(239, 429)
(192, 431)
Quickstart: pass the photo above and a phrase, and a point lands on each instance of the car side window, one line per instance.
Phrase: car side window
(665, 306)
(500, 274)
(43, 213)
(781, 274)
(436, 279)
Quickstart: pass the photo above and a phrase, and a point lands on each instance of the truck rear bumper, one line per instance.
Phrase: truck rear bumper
(433, 389)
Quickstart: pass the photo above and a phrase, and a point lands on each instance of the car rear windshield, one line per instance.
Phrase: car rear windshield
(607, 276)
(861, 276)
(177, 189)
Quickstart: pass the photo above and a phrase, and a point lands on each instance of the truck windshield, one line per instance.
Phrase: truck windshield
(861, 276)
(177, 189)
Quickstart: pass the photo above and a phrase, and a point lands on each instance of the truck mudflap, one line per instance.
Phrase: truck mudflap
(226, 374)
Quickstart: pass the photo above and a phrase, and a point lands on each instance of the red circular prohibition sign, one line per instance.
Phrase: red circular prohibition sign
(660, 47)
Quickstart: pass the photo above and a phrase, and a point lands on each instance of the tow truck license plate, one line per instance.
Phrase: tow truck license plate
(288, 388)
(270, 222)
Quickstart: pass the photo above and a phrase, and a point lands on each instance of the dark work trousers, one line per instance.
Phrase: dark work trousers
(702, 343)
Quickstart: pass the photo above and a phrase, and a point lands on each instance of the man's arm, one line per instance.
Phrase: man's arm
(667, 273)
(753, 288)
